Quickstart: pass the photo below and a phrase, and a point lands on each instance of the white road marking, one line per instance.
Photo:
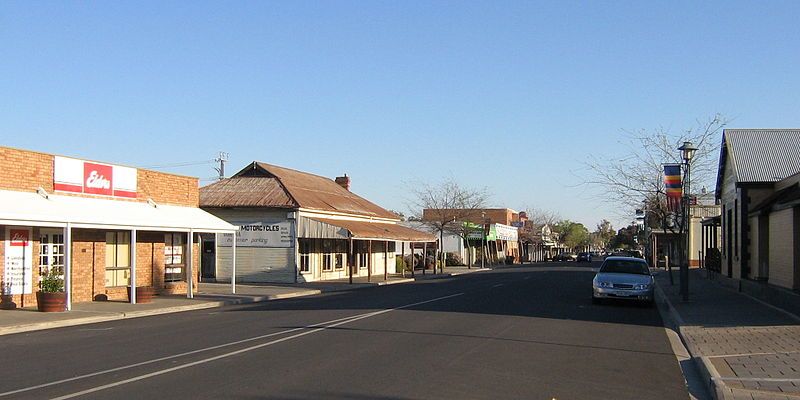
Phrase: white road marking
(526, 278)
(319, 327)
(139, 364)
(498, 285)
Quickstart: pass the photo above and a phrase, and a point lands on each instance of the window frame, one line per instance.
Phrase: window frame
(304, 264)
(169, 242)
(120, 238)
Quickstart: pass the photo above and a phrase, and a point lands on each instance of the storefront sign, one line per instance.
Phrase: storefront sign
(78, 176)
(260, 234)
(18, 264)
(488, 233)
(505, 232)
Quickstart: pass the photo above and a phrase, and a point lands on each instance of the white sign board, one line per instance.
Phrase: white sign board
(505, 232)
(18, 263)
(260, 234)
(79, 176)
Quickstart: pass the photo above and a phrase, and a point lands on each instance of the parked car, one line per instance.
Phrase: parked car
(625, 278)
(584, 257)
(565, 257)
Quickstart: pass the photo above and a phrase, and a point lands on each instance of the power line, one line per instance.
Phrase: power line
(181, 164)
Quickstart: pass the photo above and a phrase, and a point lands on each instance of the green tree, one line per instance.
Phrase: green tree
(573, 234)
(603, 234)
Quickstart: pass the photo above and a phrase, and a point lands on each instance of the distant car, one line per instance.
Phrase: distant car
(565, 257)
(625, 278)
(584, 257)
(595, 254)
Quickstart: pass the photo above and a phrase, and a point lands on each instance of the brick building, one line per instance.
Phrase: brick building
(104, 227)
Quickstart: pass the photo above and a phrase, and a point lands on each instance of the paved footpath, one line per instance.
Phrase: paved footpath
(747, 349)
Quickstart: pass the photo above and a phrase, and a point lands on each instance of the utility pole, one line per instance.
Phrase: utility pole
(221, 159)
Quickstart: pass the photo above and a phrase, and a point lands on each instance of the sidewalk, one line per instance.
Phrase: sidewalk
(209, 295)
(745, 348)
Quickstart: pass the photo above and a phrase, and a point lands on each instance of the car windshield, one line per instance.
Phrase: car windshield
(625, 267)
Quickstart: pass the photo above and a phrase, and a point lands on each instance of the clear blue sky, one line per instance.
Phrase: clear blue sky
(511, 96)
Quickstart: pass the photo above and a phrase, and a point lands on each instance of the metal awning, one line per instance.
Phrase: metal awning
(326, 228)
(42, 209)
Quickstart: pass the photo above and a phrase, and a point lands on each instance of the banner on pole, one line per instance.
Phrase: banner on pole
(673, 185)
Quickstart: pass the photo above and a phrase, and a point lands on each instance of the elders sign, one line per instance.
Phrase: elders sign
(18, 272)
(79, 176)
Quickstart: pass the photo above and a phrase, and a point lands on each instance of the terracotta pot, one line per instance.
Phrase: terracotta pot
(144, 294)
(51, 302)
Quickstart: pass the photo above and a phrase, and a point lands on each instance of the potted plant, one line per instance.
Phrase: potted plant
(6, 299)
(51, 296)
(144, 294)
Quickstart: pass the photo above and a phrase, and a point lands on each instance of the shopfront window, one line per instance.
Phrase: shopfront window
(118, 259)
(51, 252)
(173, 257)
(327, 255)
(305, 258)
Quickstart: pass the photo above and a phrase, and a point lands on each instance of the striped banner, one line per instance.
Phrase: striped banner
(672, 182)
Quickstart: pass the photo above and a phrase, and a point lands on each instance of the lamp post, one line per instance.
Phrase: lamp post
(687, 152)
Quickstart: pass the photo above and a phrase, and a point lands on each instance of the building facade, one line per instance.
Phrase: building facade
(103, 228)
(300, 227)
(756, 189)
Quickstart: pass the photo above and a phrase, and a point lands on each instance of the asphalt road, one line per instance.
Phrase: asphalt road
(518, 333)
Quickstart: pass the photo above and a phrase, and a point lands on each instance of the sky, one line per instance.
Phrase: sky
(511, 96)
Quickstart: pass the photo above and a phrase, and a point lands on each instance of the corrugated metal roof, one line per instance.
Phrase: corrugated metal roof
(264, 185)
(246, 192)
(764, 155)
(379, 230)
(759, 155)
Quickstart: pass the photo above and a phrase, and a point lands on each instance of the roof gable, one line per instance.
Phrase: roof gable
(313, 191)
(759, 155)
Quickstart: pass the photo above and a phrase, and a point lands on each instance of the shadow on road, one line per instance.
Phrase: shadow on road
(551, 291)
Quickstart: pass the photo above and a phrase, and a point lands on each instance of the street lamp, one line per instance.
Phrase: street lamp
(687, 152)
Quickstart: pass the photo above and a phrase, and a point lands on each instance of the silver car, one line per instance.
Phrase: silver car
(626, 278)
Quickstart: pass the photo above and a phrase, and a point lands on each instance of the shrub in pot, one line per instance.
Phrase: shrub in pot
(6, 299)
(51, 296)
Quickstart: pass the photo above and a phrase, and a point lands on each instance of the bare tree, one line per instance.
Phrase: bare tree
(445, 206)
(538, 218)
(541, 216)
(637, 178)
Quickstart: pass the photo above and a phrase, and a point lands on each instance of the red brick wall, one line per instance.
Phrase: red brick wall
(24, 170)
(88, 264)
(494, 215)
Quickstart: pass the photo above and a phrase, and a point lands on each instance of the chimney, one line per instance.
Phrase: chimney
(344, 181)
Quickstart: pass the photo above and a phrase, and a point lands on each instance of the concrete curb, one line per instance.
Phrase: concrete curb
(111, 316)
(709, 373)
(215, 300)
(451, 274)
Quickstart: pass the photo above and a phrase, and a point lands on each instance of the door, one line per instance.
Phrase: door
(208, 262)
(51, 252)
(729, 244)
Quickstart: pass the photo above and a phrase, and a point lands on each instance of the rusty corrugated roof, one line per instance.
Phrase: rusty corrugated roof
(246, 192)
(273, 186)
(380, 231)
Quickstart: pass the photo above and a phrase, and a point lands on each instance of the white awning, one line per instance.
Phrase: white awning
(33, 209)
